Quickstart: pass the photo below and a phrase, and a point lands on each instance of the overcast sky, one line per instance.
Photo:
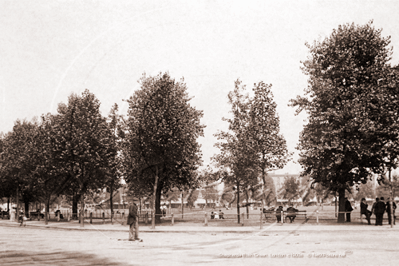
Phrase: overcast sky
(49, 49)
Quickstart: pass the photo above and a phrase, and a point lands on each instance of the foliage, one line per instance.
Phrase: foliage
(237, 156)
(290, 189)
(264, 131)
(160, 149)
(83, 143)
(352, 106)
(364, 191)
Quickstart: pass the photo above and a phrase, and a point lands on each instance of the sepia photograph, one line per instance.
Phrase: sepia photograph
(199, 132)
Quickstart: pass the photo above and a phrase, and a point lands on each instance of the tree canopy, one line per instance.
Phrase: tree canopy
(352, 102)
(160, 148)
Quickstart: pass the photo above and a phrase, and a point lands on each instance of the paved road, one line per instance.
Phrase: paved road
(43, 246)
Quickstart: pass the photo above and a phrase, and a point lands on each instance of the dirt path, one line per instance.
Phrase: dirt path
(41, 246)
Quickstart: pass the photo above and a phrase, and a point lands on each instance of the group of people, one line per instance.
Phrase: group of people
(291, 213)
(216, 215)
(378, 209)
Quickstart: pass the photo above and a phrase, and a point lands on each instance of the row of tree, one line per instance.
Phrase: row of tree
(78, 151)
(351, 135)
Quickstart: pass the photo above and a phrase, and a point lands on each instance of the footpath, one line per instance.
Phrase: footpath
(201, 228)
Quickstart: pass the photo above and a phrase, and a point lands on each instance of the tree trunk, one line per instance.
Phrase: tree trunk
(263, 186)
(247, 207)
(82, 209)
(341, 209)
(158, 202)
(182, 204)
(238, 202)
(154, 198)
(75, 200)
(17, 211)
(391, 200)
(26, 209)
(46, 211)
(8, 204)
(111, 201)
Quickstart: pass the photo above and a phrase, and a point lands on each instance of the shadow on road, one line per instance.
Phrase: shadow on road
(52, 258)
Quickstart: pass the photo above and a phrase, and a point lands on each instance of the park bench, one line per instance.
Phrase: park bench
(35, 215)
(271, 214)
(5, 215)
(296, 213)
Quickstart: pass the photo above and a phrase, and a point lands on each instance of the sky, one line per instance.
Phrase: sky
(50, 49)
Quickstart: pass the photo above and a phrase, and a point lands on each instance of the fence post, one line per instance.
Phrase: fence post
(317, 217)
(282, 217)
(123, 218)
(91, 217)
(146, 218)
(58, 216)
(103, 218)
(242, 218)
(68, 218)
(206, 220)
(173, 218)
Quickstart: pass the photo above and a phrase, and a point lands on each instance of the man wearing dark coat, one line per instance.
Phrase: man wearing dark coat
(132, 221)
(291, 213)
(348, 209)
(379, 210)
(364, 210)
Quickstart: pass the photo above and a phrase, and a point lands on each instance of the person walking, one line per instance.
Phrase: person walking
(278, 213)
(133, 222)
(373, 207)
(348, 209)
(364, 210)
(388, 210)
(379, 211)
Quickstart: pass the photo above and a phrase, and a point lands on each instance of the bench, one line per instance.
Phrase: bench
(272, 214)
(36, 215)
(296, 213)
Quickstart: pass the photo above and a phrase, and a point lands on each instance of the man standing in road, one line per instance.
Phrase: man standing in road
(364, 210)
(133, 222)
(348, 209)
(379, 211)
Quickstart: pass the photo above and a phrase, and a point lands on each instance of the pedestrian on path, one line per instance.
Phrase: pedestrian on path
(364, 210)
(348, 209)
(379, 211)
(133, 222)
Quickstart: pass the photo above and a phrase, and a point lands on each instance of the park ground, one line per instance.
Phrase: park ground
(187, 243)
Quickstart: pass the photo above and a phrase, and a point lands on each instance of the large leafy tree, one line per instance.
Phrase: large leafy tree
(18, 165)
(160, 148)
(352, 103)
(83, 144)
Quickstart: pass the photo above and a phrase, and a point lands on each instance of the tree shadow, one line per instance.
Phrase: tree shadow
(53, 258)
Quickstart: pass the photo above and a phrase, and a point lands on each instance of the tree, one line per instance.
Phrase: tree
(364, 191)
(270, 145)
(352, 106)
(160, 148)
(18, 166)
(113, 175)
(290, 189)
(237, 157)
(83, 145)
